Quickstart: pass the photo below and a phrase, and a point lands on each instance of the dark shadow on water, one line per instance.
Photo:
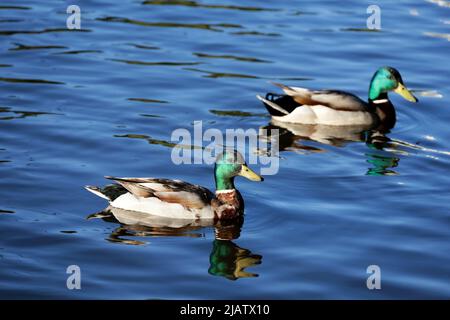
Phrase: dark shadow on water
(160, 142)
(150, 115)
(203, 26)
(226, 258)
(14, 8)
(4, 160)
(158, 63)
(360, 30)
(145, 100)
(295, 79)
(214, 75)
(6, 211)
(35, 81)
(190, 3)
(236, 113)
(16, 114)
(256, 33)
(12, 32)
(145, 47)
(230, 57)
(21, 47)
(80, 51)
(147, 138)
(11, 20)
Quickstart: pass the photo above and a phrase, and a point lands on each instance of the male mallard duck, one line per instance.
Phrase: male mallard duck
(179, 199)
(333, 107)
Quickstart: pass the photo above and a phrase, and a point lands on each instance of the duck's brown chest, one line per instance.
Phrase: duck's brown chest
(228, 204)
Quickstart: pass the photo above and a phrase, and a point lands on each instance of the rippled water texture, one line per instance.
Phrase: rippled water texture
(78, 105)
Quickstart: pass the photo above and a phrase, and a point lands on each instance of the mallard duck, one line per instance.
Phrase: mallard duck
(179, 199)
(333, 107)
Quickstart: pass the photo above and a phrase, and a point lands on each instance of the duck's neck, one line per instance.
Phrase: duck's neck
(224, 177)
(379, 99)
(224, 183)
(385, 111)
(376, 95)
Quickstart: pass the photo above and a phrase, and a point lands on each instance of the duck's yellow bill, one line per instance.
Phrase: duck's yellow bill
(250, 174)
(405, 93)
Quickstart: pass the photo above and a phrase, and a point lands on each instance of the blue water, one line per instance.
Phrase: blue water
(78, 105)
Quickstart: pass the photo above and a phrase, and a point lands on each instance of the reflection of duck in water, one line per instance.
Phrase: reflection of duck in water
(381, 165)
(181, 200)
(226, 258)
(381, 161)
(230, 261)
(291, 134)
(340, 108)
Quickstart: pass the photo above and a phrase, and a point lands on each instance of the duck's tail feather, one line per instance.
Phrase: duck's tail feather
(273, 108)
(109, 192)
(98, 192)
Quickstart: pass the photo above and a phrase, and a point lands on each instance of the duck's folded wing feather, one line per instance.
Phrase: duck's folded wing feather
(171, 191)
(335, 99)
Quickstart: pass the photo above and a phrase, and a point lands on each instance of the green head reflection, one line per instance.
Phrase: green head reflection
(381, 165)
(230, 261)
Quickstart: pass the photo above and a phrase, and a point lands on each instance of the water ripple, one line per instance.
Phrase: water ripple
(203, 26)
(159, 63)
(214, 75)
(13, 32)
(189, 3)
(19, 47)
(146, 100)
(35, 81)
(229, 57)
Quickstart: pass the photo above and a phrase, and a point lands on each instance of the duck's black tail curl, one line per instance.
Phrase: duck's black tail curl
(282, 102)
(273, 96)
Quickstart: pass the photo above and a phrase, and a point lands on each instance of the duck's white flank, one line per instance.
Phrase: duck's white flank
(153, 205)
(320, 114)
(146, 219)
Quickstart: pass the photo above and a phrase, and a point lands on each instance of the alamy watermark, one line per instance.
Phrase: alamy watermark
(258, 148)
(73, 22)
(374, 280)
(74, 280)
(374, 20)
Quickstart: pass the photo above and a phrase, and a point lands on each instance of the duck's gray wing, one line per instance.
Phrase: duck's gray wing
(167, 190)
(334, 99)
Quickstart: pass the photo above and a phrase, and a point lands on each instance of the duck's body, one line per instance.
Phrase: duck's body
(339, 108)
(177, 199)
(163, 197)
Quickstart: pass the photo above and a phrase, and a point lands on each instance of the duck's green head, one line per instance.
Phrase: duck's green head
(388, 79)
(230, 164)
